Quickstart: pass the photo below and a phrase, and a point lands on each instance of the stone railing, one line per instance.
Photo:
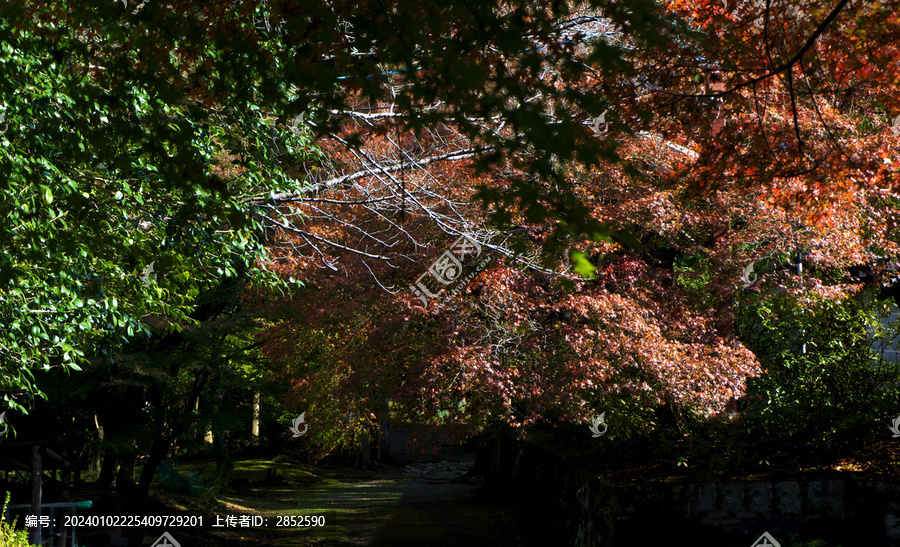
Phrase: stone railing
(591, 509)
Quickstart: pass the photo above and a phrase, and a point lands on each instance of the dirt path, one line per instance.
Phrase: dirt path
(425, 504)
(437, 509)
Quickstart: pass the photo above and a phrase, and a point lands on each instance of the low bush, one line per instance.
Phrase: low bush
(9, 536)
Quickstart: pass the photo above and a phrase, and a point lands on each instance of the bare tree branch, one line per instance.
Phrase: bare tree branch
(287, 197)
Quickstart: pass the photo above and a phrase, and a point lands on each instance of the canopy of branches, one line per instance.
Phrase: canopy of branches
(628, 168)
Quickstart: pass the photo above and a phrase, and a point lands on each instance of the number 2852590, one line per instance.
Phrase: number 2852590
(297, 520)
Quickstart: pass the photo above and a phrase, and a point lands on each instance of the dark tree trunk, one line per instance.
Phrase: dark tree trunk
(224, 465)
(384, 431)
(37, 475)
(364, 455)
(495, 457)
(158, 451)
(125, 476)
(107, 469)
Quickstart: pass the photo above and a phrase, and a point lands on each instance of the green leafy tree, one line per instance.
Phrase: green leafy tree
(114, 190)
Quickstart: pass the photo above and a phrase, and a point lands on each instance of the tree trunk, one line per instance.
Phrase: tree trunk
(384, 431)
(66, 494)
(97, 451)
(125, 476)
(36, 476)
(158, 451)
(495, 457)
(107, 469)
(254, 426)
(66, 477)
(207, 434)
(364, 455)
(224, 465)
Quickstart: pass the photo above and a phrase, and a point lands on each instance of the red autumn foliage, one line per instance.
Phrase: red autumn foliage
(797, 164)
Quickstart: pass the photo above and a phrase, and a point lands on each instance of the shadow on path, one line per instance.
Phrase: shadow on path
(441, 512)
(425, 504)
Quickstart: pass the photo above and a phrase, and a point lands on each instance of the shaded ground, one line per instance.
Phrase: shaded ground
(426, 504)
(437, 510)
(429, 504)
(422, 504)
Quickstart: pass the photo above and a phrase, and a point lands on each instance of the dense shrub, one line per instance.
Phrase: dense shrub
(824, 385)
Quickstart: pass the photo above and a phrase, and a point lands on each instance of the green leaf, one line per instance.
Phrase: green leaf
(582, 265)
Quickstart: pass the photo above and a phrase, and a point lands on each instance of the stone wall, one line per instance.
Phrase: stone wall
(592, 510)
